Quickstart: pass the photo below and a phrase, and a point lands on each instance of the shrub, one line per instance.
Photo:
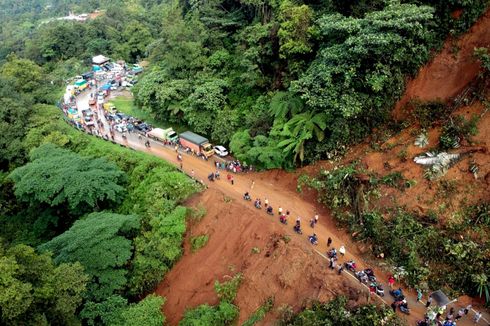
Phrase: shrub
(227, 291)
(198, 242)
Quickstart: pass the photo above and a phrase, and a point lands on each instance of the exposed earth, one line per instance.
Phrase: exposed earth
(293, 271)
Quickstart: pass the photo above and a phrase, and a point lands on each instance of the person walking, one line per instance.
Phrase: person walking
(429, 301)
(266, 203)
(467, 309)
(232, 181)
(460, 314)
(279, 210)
(419, 295)
(340, 269)
(192, 173)
(316, 218)
(477, 317)
(252, 185)
(342, 250)
(329, 241)
(391, 281)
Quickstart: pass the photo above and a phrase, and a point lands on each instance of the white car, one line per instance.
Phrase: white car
(220, 151)
(121, 128)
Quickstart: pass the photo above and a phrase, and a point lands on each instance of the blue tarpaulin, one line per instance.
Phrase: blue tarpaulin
(95, 68)
(106, 87)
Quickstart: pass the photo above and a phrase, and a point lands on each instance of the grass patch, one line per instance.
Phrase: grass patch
(126, 105)
(260, 313)
(198, 242)
(197, 214)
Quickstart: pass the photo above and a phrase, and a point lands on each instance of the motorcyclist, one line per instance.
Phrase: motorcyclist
(282, 219)
(313, 238)
(269, 210)
(297, 228)
(257, 203)
(246, 196)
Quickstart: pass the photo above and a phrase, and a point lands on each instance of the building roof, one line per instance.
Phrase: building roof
(99, 59)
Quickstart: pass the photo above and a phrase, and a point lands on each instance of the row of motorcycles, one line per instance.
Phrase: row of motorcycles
(282, 217)
(365, 276)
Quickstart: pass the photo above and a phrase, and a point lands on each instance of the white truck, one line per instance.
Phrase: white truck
(163, 134)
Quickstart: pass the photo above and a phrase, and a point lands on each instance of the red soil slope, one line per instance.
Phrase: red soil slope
(451, 70)
(289, 271)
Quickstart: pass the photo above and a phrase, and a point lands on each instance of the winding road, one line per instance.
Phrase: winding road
(277, 195)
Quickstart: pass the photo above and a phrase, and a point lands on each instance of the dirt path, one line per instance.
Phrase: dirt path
(277, 195)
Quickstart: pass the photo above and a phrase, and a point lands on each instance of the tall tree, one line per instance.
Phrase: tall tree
(101, 243)
(35, 291)
(58, 177)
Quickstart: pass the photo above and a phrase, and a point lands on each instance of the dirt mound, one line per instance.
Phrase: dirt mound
(272, 263)
(450, 71)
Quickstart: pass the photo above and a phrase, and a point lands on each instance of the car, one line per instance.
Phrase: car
(123, 116)
(121, 128)
(87, 112)
(114, 88)
(113, 117)
(143, 127)
(220, 151)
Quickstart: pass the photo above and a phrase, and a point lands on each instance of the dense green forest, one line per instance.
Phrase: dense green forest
(281, 82)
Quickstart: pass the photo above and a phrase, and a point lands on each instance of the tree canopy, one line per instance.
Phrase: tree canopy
(101, 242)
(59, 177)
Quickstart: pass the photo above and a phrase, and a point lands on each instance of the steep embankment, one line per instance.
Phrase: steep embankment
(245, 240)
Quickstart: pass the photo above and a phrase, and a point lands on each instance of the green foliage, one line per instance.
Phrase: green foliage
(457, 129)
(336, 312)
(157, 249)
(427, 113)
(198, 242)
(226, 291)
(101, 243)
(34, 290)
(203, 315)
(482, 55)
(14, 115)
(146, 312)
(59, 177)
(260, 313)
(25, 74)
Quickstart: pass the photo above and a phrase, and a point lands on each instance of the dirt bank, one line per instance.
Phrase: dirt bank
(287, 269)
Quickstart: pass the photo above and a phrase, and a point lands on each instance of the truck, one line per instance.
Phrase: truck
(163, 134)
(197, 143)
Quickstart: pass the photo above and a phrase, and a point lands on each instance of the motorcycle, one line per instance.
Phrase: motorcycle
(350, 266)
(378, 288)
(313, 240)
(247, 197)
(332, 253)
(397, 294)
(269, 210)
(362, 277)
(257, 205)
(283, 219)
(404, 308)
(370, 274)
(297, 229)
(211, 177)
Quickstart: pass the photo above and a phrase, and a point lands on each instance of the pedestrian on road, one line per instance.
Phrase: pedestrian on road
(279, 210)
(467, 309)
(329, 241)
(266, 203)
(192, 173)
(232, 181)
(477, 317)
(419, 295)
(429, 301)
(252, 185)
(316, 218)
(391, 281)
(340, 268)
(332, 263)
(460, 314)
(181, 166)
(342, 250)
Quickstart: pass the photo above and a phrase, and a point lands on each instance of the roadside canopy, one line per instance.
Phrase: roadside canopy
(99, 59)
(440, 298)
(106, 87)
